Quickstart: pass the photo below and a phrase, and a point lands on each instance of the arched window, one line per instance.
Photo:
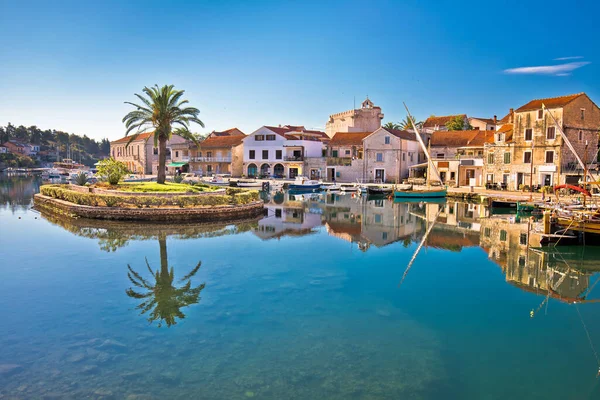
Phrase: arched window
(252, 169)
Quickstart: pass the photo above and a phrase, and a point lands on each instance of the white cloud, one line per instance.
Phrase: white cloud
(568, 58)
(557, 70)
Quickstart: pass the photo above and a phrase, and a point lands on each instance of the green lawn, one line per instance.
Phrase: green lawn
(153, 187)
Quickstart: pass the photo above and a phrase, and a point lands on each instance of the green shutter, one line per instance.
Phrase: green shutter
(503, 235)
(506, 158)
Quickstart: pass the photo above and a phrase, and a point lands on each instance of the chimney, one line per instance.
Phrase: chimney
(510, 113)
(495, 120)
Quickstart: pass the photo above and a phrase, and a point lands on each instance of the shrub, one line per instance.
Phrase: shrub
(245, 197)
(112, 170)
(230, 191)
(178, 179)
(81, 178)
(110, 201)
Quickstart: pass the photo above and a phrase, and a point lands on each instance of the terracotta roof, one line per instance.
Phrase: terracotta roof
(507, 129)
(504, 120)
(348, 138)
(483, 137)
(453, 138)
(141, 136)
(486, 120)
(296, 131)
(431, 122)
(551, 102)
(228, 132)
(221, 141)
(406, 135)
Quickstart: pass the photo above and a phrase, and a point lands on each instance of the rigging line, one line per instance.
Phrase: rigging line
(564, 233)
(589, 338)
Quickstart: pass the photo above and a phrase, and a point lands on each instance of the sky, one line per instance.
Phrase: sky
(71, 65)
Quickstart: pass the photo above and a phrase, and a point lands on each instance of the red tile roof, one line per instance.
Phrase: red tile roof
(221, 141)
(505, 120)
(507, 129)
(551, 102)
(452, 138)
(348, 138)
(434, 121)
(142, 136)
(228, 132)
(296, 132)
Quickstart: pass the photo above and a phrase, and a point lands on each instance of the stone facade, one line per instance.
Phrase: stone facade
(140, 155)
(365, 119)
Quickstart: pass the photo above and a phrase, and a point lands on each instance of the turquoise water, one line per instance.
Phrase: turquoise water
(304, 303)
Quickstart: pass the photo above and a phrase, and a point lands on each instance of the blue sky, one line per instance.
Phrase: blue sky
(71, 65)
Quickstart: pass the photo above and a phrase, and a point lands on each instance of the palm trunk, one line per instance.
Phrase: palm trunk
(162, 159)
(164, 263)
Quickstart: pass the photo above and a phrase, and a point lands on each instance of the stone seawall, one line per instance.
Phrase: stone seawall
(215, 213)
(86, 189)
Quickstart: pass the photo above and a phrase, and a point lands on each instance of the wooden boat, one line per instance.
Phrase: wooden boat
(378, 190)
(349, 187)
(427, 192)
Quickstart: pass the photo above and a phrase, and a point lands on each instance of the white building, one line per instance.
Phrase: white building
(281, 151)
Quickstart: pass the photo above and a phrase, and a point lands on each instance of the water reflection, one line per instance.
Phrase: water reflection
(161, 299)
(17, 190)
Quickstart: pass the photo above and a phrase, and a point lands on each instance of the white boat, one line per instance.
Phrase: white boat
(217, 180)
(349, 187)
(251, 183)
(303, 183)
(330, 187)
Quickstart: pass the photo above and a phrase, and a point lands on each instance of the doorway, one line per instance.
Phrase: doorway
(379, 175)
(330, 174)
(293, 173)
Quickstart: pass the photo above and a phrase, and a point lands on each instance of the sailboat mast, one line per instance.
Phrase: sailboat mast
(423, 147)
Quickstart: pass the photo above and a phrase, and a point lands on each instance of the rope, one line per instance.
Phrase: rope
(564, 232)
(589, 340)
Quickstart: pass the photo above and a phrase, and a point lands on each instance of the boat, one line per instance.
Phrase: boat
(304, 184)
(379, 190)
(330, 187)
(349, 187)
(250, 183)
(426, 192)
(217, 180)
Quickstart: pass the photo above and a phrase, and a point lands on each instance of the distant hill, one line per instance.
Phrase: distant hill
(54, 146)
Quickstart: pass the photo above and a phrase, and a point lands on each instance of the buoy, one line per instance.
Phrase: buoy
(531, 314)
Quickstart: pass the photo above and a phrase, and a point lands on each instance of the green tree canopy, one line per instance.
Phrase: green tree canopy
(458, 123)
(162, 109)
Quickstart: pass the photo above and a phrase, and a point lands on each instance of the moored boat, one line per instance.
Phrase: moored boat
(250, 183)
(303, 183)
(379, 190)
(349, 187)
(421, 194)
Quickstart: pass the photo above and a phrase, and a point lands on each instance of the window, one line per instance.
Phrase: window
(347, 152)
(209, 168)
(490, 158)
(259, 138)
(551, 133)
(440, 155)
(411, 157)
(487, 232)
(452, 175)
(528, 134)
(252, 154)
(155, 150)
(209, 154)
(506, 158)
(270, 137)
(334, 153)
(387, 140)
(378, 218)
(540, 114)
(384, 235)
(278, 154)
(527, 157)
(500, 137)
(265, 154)
(580, 135)
(549, 157)
(503, 235)
(582, 113)
(379, 157)
(490, 178)
(403, 156)
(522, 261)
(523, 238)
(176, 153)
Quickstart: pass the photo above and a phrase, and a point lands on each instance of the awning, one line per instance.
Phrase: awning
(177, 164)
(422, 165)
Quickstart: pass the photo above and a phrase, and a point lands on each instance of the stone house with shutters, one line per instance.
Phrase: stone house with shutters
(458, 156)
(140, 155)
(530, 147)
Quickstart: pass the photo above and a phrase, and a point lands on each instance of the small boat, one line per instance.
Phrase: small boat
(303, 183)
(349, 187)
(241, 183)
(420, 194)
(218, 180)
(379, 190)
(330, 187)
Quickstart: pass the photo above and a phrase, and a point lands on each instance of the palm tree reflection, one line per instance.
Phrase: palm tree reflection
(161, 300)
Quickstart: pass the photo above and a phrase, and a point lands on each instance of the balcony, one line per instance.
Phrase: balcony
(293, 158)
(210, 159)
(339, 161)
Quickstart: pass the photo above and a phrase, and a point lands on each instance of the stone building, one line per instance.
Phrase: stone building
(365, 119)
(483, 124)
(281, 151)
(458, 156)
(530, 147)
(140, 155)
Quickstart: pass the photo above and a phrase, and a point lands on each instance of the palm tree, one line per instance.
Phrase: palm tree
(161, 299)
(391, 125)
(162, 109)
(406, 124)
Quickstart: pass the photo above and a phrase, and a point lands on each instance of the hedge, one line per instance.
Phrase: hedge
(90, 199)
